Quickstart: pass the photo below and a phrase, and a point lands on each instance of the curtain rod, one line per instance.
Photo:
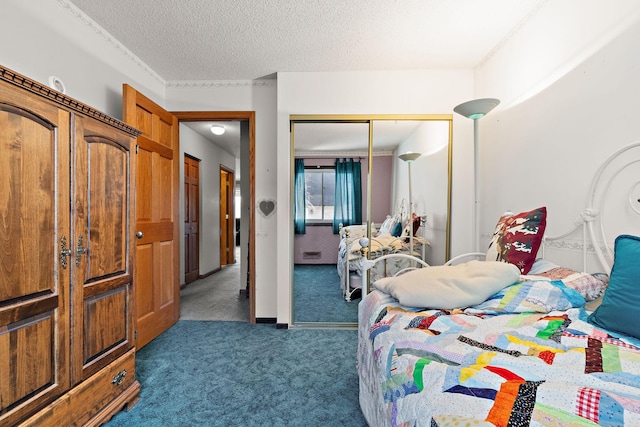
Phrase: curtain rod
(330, 157)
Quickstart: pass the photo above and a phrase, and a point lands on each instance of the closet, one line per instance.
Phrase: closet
(67, 353)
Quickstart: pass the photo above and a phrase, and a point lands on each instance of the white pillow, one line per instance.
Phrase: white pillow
(387, 225)
(354, 231)
(448, 287)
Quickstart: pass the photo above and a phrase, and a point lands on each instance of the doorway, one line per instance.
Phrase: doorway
(247, 249)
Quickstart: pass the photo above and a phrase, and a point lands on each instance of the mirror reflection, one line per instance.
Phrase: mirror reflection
(350, 201)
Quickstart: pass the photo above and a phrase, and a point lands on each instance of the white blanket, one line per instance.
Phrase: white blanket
(448, 287)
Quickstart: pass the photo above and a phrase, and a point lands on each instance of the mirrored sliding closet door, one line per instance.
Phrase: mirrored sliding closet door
(349, 187)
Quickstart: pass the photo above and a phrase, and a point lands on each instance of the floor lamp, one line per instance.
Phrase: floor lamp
(476, 109)
(410, 157)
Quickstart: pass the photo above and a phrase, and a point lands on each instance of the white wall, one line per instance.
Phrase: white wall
(567, 79)
(42, 38)
(429, 183)
(542, 147)
(258, 96)
(408, 92)
(211, 158)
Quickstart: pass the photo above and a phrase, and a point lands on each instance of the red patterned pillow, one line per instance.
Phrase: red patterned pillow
(517, 238)
(413, 223)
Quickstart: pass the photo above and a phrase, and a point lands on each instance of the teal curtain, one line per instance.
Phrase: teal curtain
(348, 194)
(300, 198)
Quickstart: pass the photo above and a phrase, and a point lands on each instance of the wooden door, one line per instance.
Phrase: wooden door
(191, 219)
(227, 220)
(34, 271)
(102, 259)
(157, 283)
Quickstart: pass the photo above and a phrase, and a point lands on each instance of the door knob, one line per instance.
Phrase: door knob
(139, 234)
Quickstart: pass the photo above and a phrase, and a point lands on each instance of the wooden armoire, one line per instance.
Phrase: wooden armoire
(67, 180)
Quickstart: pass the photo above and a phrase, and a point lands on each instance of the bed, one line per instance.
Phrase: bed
(522, 342)
(356, 251)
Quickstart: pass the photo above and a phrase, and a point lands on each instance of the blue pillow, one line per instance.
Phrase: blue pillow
(397, 229)
(620, 308)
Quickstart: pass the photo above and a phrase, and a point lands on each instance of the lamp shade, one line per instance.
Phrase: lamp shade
(476, 108)
(409, 156)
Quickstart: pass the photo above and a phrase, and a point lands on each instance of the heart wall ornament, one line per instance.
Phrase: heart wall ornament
(266, 207)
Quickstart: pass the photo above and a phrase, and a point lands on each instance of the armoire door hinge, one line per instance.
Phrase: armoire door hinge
(135, 335)
(137, 148)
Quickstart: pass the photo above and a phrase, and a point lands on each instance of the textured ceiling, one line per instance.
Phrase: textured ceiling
(251, 39)
(190, 40)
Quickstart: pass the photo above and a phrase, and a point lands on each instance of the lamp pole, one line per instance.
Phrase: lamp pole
(410, 213)
(476, 189)
(475, 110)
(410, 157)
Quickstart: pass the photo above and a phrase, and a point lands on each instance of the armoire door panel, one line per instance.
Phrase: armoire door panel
(28, 189)
(27, 367)
(106, 308)
(108, 198)
(101, 251)
(34, 272)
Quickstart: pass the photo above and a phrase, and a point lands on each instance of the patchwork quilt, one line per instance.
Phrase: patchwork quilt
(526, 356)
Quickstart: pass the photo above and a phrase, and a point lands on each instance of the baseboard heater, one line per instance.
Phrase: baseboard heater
(311, 255)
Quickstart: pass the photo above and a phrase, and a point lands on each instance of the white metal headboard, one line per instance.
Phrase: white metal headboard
(592, 219)
(600, 187)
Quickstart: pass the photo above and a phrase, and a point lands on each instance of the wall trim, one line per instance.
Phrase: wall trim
(270, 320)
(219, 83)
(60, 98)
(115, 43)
(569, 245)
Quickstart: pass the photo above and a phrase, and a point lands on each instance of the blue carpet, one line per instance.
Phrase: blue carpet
(317, 295)
(201, 373)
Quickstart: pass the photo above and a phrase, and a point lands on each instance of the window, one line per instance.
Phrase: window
(320, 192)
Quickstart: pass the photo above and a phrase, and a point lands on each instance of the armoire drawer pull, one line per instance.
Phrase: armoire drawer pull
(119, 378)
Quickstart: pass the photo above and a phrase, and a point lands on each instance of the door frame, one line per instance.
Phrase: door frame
(250, 117)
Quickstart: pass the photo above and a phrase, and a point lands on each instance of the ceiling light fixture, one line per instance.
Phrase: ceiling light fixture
(217, 129)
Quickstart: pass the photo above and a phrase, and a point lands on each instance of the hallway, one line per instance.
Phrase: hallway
(216, 297)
